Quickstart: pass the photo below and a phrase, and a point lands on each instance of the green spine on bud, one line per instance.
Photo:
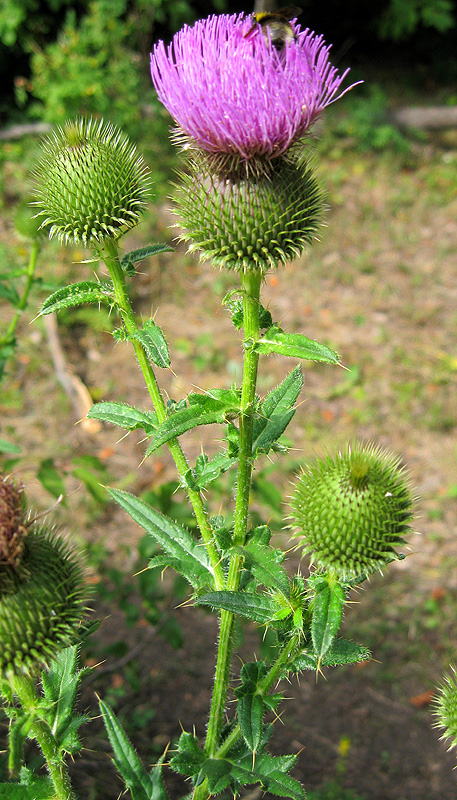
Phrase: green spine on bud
(248, 218)
(352, 511)
(445, 707)
(91, 184)
(42, 589)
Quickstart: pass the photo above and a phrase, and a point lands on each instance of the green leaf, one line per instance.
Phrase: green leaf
(190, 756)
(203, 409)
(257, 607)
(18, 732)
(265, 565)
(154, 343)
(124, 416)
(207, 470)
(126, 760)
(294, 345)
(76, 294)
(250, 704)
(177, 541)
(129, 260)
(42, 789)
(158, 789)
(275, 412)
(60, 686)
(92, 484)
(8, 292)
(327, 609)
(219, 774)
(341, 651)
(197, 579)
(9, 447)
(50, 477)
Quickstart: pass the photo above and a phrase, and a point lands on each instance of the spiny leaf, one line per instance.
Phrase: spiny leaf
(177, 541)
(294, 345)
(154, 343)
(275, 412)
(126, 760)
(129, 260)
(124, 416)
(327, 612)
(76, 294)
(257, 607)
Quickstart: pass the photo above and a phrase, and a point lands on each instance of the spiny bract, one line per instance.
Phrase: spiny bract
(247, 220)
(90, 183)
(351, 512)
(445, 707)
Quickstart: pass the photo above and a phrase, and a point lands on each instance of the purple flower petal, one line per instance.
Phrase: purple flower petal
(232, 92)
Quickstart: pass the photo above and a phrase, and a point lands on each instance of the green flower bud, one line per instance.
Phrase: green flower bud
(42, 589)
(445, 707)
(352, 511)
(248, 218)
(91, 183)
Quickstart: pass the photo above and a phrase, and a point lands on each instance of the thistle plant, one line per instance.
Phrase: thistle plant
(247, 199)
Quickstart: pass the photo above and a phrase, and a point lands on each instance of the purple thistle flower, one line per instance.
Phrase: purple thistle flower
(232, 92)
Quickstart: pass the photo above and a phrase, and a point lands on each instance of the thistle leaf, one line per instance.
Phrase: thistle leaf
(76, 294)
(275, 412)
(327, 610)
(129, 260)
(154, 343)
(177, 541)
(126, 760)
(124, 416)
(294, 345)
(257, 607)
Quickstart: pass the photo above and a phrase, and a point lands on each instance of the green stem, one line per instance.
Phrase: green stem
(9, 335)
(250, 283)
(273, 675)
(23, 686)
(110, 255)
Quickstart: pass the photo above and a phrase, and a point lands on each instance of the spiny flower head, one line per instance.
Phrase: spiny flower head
(445, 707)
(231, 91)
(352, 511)
(253, 221)
(90, 183)
(42, 588)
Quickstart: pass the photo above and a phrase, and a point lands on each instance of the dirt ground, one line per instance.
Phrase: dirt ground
(381, 289)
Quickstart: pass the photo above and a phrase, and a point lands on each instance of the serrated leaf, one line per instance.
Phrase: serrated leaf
(198, 580)
(129, 260)
(203, 409)
(250, 713)
(218, 772)
(341, 652)
(154, 343)
(190, 756)
(294, 345)
(76, 294)
(124, 416)
(275, 412)
(31, 787)
(126, 760)
(257, 607)
(177, 541)
(327, 611)
(207, 470)
(265, 564)
(60, 686)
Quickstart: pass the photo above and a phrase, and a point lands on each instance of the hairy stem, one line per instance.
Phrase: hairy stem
(110, 255)
(23, 686)
(251, 291)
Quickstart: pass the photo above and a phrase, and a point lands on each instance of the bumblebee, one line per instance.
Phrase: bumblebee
(276, 26)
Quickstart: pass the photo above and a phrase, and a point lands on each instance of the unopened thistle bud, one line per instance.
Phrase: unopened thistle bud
(446, 708)
(351, 512)
(90, 183)
(42, 589)
(246, 219)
